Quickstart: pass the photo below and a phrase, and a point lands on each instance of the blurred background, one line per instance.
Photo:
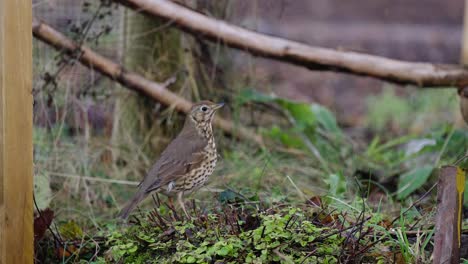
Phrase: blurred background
(408, 30)
(94, 140)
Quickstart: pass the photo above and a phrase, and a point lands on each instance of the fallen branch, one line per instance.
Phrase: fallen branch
(129, 79)
(315, 58)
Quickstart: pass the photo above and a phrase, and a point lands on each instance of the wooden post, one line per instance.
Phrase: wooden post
(16, 174)
(447, 241)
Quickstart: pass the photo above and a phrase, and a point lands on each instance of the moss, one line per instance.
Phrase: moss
(287, 234)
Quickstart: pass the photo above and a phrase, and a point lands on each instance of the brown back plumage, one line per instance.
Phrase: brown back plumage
(186, 151)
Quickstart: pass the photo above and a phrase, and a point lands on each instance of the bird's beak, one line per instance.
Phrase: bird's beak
(217, 106)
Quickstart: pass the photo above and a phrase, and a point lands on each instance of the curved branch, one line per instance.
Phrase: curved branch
(129, 79)
(315, 58)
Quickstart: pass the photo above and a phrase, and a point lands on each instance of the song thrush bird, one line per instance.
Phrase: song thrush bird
(186, 163)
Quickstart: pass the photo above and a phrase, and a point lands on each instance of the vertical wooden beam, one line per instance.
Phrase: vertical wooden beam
(447, 240)
(16, 174)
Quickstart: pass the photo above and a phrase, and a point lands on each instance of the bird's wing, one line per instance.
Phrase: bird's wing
(175, 161)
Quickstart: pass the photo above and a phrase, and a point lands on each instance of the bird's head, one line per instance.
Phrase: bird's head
(203, 112)
(201, 116)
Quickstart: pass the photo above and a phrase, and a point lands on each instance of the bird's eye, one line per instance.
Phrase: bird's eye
(204, 108)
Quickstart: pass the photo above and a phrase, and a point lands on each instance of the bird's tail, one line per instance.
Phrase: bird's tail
(139, 196)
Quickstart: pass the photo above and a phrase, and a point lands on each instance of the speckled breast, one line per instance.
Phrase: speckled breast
(198, 175)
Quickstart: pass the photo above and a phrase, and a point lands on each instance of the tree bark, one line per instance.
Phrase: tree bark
(131, 80)
(314, 58)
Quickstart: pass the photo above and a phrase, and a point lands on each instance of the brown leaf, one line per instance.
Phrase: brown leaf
(42, 222)
(315, 201)
(66, 252)
(387, 224)
(328, 219)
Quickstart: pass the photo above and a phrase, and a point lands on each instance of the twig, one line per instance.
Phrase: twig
(285, 258)
(340, 231)
(414, 204)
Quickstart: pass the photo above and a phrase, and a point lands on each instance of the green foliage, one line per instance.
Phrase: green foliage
(312, 125)
(387, 108)
(314, 128)
(407, 248)
(285, 136)
(326, 119)
(71, 230)
(412, 180)
(337, 186)
(414, 158)
(416, 110)
(264, 238)
(388, 155)
(266, 177)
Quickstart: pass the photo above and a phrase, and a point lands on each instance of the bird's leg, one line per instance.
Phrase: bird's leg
(170, 202)
(171, 207)
(180, 199)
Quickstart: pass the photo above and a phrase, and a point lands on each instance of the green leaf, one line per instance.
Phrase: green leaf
(285, 137)
(224, 251)
(301, 112)
(326, 118)
(251, 95)
(133, 249)
(412, 180)
(227, 196)
(336, 184)
(191, 259)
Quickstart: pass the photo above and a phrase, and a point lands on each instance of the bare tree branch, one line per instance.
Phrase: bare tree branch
(314, 58)
(129, 79)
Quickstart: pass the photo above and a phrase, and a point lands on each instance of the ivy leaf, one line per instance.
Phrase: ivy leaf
(191, 259)
(224, 251)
